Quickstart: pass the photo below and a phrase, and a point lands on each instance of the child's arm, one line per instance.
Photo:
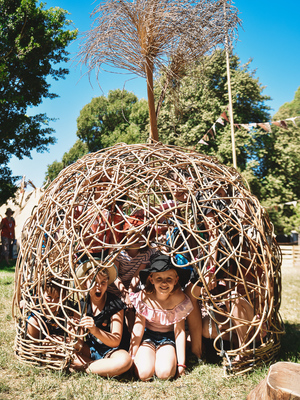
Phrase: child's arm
(179, 331)
(137, 334)
(112, 338)
(136, 279)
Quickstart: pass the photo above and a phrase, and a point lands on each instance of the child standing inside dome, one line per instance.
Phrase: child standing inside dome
(158, 338)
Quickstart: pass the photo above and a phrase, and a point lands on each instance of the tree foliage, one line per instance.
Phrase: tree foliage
(119, 117)
(78, 150)
(32, 43)
(280, 169)
(194, 104)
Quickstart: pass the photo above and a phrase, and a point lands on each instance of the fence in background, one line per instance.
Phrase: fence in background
(290, 255)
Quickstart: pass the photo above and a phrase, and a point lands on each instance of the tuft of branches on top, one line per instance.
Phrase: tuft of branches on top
(144, 36)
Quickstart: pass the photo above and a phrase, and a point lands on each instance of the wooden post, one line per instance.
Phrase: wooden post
(281, 383)
(151, 102)
(229, 94)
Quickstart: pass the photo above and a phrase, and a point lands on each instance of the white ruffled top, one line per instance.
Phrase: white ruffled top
(160, 320)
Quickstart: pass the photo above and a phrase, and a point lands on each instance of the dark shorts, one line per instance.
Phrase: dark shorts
(99, 350)
(159, 339)
(98, 354)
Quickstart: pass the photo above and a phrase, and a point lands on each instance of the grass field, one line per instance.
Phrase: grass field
(20, 381)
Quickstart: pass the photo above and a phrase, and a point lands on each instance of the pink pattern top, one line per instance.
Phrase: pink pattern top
(160, 320)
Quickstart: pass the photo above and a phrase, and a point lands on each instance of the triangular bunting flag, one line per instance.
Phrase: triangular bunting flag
(212, 133)
(277, 123)
(224, 115)
(265, 126)
(283, 124)
(292, 119)
(214, 128)
(201, 141)
(246, 126)
(220, 121)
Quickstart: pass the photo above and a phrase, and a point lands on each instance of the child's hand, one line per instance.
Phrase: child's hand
(88, 323)
(181, 370)
(126, 300)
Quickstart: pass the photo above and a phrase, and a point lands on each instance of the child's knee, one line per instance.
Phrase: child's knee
(144, 372)
(125, 360)
(165, 371)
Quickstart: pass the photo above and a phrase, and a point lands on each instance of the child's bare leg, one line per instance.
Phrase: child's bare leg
(144, 362)
(166, 362)
(118, 363)
(241, 310)
(194, 321)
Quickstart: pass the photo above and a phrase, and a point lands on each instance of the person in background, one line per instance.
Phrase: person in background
(7, 227)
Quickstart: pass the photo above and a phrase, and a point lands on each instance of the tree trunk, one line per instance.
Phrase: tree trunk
(151, 102)
(281, 383)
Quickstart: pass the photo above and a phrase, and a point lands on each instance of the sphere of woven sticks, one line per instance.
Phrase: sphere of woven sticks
(184, 204)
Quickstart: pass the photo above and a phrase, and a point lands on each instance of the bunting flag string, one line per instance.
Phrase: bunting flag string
(281, 205)
(266, 126)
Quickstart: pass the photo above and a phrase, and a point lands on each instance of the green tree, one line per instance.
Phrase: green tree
(280, 168)
(78, 150)
(119, 117)
(32, 42)
(192, 106)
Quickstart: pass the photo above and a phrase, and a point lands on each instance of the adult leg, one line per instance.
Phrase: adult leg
(144, 362)
(5, 249)
(166, 362)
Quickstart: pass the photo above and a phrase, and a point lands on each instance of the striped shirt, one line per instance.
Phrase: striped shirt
(128, 266)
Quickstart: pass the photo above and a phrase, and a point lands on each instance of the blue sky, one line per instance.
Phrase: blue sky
(270, 35)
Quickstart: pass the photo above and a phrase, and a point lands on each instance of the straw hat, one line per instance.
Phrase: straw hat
(86, 267)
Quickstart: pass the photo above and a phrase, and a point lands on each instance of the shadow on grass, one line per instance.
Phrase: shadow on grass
(290, 343)
(8, 268)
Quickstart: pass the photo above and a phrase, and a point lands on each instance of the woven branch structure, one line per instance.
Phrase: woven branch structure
(223, 234)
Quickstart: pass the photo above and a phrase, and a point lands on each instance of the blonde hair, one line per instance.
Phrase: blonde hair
(149, 287)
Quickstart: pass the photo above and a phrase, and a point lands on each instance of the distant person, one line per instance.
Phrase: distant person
(7, 227)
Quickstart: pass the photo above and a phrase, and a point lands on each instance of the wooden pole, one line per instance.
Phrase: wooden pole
(229, 94)
(151, 102)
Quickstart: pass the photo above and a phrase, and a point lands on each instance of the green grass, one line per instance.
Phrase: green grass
(20, 381)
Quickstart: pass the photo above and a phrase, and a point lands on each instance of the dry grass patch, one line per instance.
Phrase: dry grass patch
(202, 382)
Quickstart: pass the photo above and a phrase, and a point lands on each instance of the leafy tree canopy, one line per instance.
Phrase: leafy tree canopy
(280, 176)
(193, 105)
(32, 42)
(107, 120)
(78, 150)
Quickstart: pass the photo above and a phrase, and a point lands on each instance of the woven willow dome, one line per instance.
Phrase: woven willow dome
(223, 234)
